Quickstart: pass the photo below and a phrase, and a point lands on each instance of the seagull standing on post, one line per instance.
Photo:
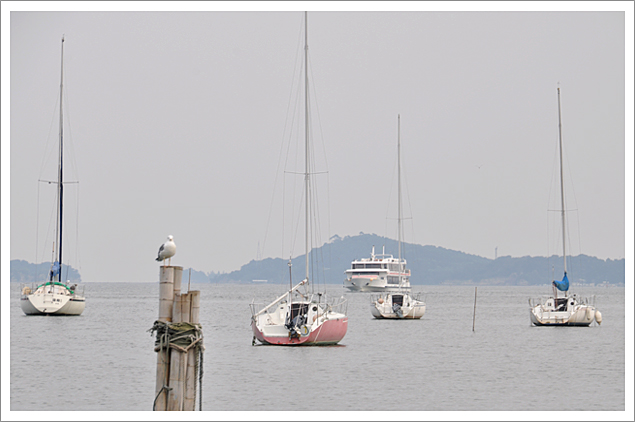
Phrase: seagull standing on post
(167, 251)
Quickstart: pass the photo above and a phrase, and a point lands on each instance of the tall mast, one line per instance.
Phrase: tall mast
(306, 145)
(60, 180)
(564, 248)
(399, 192)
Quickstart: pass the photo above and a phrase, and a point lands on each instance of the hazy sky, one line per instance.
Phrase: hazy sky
(177, 120)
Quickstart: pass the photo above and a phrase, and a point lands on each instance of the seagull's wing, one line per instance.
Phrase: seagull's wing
(159, 254)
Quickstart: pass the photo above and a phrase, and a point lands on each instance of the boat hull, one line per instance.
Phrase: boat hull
(52, 305)
(400, 305)
(582, 316)
(329, 332)
(384, 312)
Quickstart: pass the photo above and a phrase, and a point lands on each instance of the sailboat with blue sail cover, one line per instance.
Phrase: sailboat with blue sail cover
(568, 309)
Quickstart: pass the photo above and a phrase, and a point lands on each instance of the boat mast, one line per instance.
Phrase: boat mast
(290, 286)
(306, 146)
(60, 185)
(399, 193)
(290, 277)
(564, 248)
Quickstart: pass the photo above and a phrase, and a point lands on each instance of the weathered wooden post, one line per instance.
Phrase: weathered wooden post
(178, 274)
(166, 299)
(166, 293)
(179, 343)
(193, 303)
(175, 397)
(186, 304)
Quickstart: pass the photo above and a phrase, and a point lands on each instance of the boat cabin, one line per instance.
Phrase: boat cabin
(56, 287)
(298, 313)
(561, 304)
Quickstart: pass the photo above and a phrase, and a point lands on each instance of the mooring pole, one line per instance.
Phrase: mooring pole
(474, 317)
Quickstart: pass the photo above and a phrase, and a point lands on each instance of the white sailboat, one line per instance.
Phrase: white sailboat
(398, 304)
(54, 297)
(569, 309)
(301, 318)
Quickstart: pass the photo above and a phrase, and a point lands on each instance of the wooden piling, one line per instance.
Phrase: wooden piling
(194, 301)
(176, 373)
(163, 367)
(166, 298)
(177, 308)
(186, 304)
(178, 275)
(178, 365)
(196, 306)
(177, 370)
(166, 293)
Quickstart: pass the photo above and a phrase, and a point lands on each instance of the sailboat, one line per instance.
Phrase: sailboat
(399, 304)
(569, 309)
(55, 297)
(299, 317)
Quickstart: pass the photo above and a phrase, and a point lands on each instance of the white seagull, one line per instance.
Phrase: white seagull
(167, 251)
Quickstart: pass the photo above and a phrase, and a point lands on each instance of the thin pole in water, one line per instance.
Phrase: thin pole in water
(474, 317)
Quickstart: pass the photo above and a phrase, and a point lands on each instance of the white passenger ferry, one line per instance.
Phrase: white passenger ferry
(379, 273)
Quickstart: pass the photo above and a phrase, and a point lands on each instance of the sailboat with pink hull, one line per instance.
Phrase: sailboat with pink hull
(298, 320)
(301, 317)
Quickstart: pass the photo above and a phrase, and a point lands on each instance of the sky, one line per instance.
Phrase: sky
(178, 116)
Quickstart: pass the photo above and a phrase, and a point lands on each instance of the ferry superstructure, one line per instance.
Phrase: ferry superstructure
(379, 273)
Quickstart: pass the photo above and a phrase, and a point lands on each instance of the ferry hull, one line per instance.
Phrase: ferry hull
(360, 284)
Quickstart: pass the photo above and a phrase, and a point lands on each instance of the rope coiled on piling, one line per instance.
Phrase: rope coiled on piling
(181, 336)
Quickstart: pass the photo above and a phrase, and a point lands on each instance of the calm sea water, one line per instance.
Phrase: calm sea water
(104, 359)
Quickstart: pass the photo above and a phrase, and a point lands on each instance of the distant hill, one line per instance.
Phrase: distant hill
(196, 276)
(25, 272)
(430, 265)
